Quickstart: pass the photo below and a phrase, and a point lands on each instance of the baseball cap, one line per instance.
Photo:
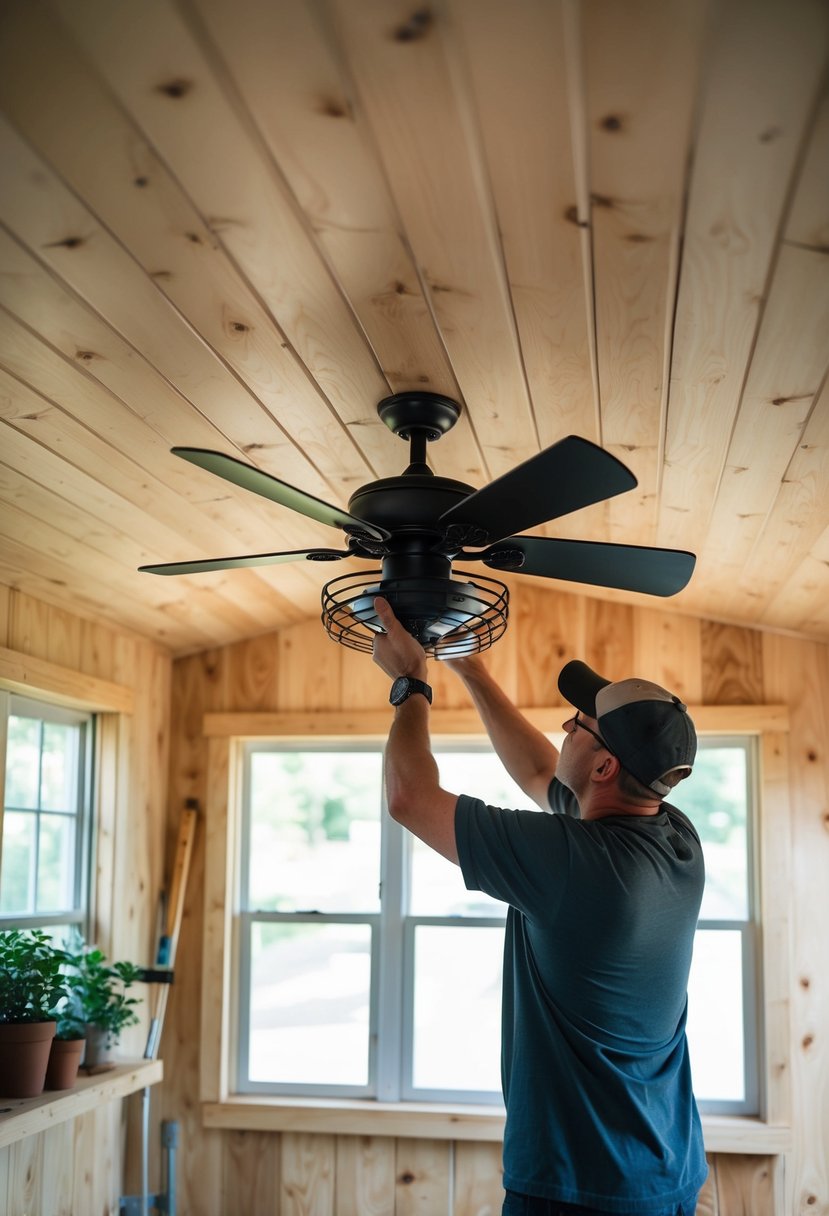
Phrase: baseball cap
(646, 727)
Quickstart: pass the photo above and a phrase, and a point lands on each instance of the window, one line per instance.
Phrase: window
(367, 970)
(365, 966)
(720, 797)
(44, 866)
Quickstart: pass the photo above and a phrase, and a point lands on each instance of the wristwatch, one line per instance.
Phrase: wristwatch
(404, 686)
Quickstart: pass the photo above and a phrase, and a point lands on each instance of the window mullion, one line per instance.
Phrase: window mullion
(389, 978)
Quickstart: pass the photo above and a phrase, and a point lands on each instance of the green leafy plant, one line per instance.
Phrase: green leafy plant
(30, 976)
(95, 992)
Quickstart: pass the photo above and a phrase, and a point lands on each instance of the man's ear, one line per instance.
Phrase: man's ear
(607, 771)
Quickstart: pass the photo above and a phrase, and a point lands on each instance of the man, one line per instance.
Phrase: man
(604, 897)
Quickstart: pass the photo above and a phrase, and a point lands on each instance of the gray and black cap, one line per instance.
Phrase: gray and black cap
(646, 727)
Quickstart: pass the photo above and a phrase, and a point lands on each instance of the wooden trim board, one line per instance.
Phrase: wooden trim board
(23, 673)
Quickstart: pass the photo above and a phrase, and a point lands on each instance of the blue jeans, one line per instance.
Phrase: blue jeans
(530, 1205)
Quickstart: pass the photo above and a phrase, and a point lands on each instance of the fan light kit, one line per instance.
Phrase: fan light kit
(416, 525)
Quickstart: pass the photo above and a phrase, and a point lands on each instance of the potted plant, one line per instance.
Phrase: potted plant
(67, 1045)
(30, 986)
(97, 997)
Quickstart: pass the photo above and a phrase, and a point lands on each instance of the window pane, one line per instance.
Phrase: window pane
(22, 762)
(59, 778)
(17, 887)
(309, 1005)
(457, 1008)
(56, 863)
(436, 886)
(715, 1016)
(715, 797)
(314, 831)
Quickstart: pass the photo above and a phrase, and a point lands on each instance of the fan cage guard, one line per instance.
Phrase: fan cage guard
(448, 618)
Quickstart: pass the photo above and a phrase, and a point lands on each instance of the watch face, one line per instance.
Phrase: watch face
(399, 690)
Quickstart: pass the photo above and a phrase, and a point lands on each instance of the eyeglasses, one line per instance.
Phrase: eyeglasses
(578, 722)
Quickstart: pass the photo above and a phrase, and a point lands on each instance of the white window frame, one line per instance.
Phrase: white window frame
(224, 1107)
(12, 704)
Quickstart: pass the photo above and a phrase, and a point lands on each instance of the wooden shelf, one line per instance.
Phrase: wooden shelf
(22, 1117)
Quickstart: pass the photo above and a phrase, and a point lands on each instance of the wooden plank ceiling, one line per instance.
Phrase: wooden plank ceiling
(239, 224)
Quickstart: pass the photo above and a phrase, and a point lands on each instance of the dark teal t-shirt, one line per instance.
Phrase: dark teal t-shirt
(599, 935)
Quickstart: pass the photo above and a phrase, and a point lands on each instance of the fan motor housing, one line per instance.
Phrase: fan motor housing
(413, 500)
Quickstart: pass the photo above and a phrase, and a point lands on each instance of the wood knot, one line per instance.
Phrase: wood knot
(808, 1040)
(611, 122)
(805, 982)
(239, 327)
(571, 214)
(601, 200)
(86, 355)
(332, 108)
(406, 1178)
(194, 238)
(141, 182)
(769, 135)
(68, 242)
(417, 26)
(175, 88)
(811, 755)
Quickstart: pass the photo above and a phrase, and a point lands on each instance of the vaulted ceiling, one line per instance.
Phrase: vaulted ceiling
(239, 224)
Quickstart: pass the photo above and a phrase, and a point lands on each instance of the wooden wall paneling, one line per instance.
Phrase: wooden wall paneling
(707, 1202)
(25, 1176)
(424, 1177)
(253, 674)
(303, 684)
(638, 153)
(199, 683)
(775, 846)
(307, 1175)
(667, 649)
(365, 1173)
(322, 147)
(746, 1185)
(363, 685)
(477, 1185)
(218, 880)
(58, 1170)
(414, 95)
(763, 65)
(800, 672)
(732, 665)
(84, 1152)
(5, 609)
(609, 638)
(250, 1174)
(551, 630)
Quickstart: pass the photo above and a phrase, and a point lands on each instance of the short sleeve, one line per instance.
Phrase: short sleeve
(562, 801)
(520, 857)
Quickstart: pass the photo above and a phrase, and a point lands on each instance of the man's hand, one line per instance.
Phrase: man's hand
(396, 651)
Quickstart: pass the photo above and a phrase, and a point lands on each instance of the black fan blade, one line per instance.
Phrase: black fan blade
(249, 478)
(626, 567)
(253, 559)
(573, 473)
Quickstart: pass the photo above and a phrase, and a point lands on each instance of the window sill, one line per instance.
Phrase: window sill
(22, 1117)
(439, 1121)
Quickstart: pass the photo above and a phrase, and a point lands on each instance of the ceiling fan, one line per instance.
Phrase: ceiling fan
(417, 524)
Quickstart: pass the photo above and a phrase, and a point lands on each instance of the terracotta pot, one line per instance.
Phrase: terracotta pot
(24, 1055)
(64, 1061)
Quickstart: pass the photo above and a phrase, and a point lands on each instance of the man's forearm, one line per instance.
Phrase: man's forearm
(413, 791)
(528, 755)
